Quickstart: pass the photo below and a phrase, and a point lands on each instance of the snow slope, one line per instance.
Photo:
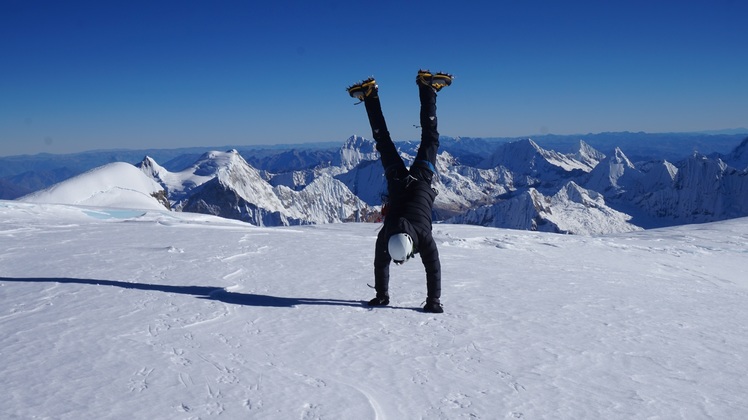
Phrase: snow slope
(151, 314)
(117, 184)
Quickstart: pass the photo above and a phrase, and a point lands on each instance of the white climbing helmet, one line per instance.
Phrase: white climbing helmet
(400, 247)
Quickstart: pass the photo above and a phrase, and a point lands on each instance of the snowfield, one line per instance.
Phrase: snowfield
(130, 314)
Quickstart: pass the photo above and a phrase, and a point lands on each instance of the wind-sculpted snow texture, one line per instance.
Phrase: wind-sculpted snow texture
(151, 314)
(517, 185)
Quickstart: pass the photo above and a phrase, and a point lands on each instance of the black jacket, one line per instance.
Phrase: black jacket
(409, 211)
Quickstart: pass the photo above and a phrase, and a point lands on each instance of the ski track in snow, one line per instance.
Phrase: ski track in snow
(142, 318)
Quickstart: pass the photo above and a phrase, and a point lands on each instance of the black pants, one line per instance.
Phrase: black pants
(424, 165)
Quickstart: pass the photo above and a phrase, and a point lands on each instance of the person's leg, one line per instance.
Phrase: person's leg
(424, 166)
(393, 164)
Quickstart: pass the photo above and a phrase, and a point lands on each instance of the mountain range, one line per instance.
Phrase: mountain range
(517, 184)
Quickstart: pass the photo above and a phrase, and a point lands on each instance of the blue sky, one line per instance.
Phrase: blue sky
(163, 74)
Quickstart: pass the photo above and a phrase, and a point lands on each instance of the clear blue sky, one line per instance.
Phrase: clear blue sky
(134, 74)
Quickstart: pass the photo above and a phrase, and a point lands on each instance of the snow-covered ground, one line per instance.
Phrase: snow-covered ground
(131, 314)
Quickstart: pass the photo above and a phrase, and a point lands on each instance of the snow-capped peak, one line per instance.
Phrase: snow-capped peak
(621, 158)
(151, 168)
(574, 193)
(608, 174)
(588, 155)
(357, 149)
(180, 184)
(577, 209)
(210, 162)
(526, 156)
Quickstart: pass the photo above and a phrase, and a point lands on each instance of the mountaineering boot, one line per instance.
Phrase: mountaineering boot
(364, 89)
(382, 299)
(433, 306)
(435, 80)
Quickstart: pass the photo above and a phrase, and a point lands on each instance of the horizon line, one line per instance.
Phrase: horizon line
(320, 143)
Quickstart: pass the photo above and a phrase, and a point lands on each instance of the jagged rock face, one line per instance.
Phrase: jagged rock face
(218, 199)
(161, 197)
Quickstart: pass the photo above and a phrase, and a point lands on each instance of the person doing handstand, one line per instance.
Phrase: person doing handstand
(407, 225)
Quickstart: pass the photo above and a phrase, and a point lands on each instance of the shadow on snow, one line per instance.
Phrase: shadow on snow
(201, 292)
